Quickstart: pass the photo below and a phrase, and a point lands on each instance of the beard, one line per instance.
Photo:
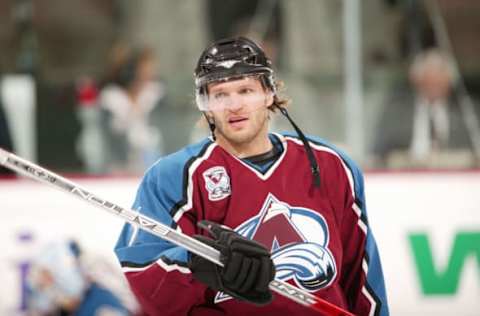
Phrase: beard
(257, 126)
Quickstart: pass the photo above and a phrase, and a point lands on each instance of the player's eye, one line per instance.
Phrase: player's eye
(246, 91)
(219, 96)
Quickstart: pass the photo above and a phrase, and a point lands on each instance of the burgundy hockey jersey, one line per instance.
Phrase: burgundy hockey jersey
(318, 236)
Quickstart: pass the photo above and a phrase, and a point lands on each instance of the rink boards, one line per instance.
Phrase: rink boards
(427, 227)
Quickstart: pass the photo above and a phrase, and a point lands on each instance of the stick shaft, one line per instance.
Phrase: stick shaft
(38, 173)
(156, 228)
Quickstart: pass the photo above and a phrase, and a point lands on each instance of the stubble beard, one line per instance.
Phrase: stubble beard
(243, 138)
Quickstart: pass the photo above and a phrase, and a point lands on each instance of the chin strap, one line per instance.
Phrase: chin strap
(311, 158)
(211, 126)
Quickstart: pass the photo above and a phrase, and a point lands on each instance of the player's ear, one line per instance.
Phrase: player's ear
(269, 99)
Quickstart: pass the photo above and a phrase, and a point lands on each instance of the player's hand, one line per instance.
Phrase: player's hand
(248, 268)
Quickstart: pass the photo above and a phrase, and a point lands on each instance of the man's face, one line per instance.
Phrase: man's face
(239, 110)
(434, 82)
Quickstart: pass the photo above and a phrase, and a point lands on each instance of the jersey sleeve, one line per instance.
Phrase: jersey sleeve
(156, 269)
(362, 277)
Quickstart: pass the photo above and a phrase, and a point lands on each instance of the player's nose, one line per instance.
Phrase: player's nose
(236, 102)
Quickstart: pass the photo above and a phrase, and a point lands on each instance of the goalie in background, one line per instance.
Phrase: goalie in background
(59, 284)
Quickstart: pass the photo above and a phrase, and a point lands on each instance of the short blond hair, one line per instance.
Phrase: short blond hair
(279, 99)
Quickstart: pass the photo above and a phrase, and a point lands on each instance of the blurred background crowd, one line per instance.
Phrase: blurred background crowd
(106, 87)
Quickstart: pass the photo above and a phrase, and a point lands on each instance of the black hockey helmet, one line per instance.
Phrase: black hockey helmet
(232, 58)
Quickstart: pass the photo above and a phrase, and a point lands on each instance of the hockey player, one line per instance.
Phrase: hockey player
(295, 206)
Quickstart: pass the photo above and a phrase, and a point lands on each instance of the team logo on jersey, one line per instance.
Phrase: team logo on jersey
(298, 239)
(217, 183)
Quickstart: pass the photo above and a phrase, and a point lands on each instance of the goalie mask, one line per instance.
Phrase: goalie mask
(231, 59)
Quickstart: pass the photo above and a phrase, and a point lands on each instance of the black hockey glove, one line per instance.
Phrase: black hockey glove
(247, 269)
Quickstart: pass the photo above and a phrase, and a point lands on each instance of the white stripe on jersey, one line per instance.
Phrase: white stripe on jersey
(361, 224)
(184, 208)
(161, 263)
(371, 300)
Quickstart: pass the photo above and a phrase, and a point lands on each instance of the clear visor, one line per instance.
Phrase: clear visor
(231, 101)
(244, 94)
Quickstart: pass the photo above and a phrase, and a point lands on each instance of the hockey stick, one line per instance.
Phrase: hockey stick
(147, 224)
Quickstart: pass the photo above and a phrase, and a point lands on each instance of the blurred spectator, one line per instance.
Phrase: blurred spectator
(128, 100)
(90, 143)
(422, 123)
(59, 285)
(5, 140)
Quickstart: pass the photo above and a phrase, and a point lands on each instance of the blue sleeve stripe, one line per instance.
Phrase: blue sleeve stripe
(144, 255)
(373, 279)
(375, 283)
(167, 260)
(378, 303)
